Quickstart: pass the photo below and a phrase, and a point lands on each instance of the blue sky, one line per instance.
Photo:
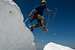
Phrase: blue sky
(62, 28)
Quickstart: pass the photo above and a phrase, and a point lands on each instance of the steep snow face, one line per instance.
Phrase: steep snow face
(54, 46)
(8, 1)
(14, 35)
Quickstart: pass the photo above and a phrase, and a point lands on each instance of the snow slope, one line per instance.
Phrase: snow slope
(54, 46)
(14, 35)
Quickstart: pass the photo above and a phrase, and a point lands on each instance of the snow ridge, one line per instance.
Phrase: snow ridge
(55, 46)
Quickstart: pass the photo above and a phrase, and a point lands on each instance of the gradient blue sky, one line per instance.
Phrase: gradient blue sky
(62, 28)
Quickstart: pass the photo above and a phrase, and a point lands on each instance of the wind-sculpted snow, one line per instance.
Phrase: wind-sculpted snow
(14, 35)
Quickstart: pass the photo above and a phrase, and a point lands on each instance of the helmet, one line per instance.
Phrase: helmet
(43, 1)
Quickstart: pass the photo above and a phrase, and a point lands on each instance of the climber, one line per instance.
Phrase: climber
(37, 14)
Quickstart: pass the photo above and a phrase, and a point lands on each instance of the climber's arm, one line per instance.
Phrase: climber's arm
(32, 12)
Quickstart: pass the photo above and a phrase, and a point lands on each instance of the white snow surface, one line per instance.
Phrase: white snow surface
(54, 46)
(14, 35)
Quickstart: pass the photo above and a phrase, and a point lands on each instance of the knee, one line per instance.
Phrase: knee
(40, 17)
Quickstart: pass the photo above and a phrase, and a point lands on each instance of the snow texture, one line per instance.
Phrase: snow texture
(54, 46)
(14, 35)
